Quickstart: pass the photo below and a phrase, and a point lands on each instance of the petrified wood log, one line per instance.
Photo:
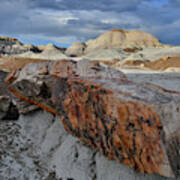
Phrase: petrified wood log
(134, 123)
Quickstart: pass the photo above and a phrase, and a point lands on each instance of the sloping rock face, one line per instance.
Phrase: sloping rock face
(133, 123)
(123, 39)
(77, 49)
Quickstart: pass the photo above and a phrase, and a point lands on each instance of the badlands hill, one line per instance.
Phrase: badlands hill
(128, 40)
(10, 46)
(50, 52)
(9, 40)
(124, 39)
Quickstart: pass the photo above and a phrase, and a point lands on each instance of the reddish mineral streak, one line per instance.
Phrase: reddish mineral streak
(126, 131)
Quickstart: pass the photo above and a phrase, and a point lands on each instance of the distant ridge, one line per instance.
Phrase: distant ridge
(10, 39)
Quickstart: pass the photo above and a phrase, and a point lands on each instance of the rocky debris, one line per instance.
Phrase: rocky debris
(133, 123)
(123, 39)
(76, 49)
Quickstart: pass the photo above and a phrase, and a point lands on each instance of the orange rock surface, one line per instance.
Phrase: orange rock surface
(121, 119)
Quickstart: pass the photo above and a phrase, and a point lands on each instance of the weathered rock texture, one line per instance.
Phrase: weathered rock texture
(123, 39)
(133, 123)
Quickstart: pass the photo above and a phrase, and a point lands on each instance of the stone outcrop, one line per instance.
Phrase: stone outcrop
(133, 123)
(76, 49)
(124, 39)
(10, 46)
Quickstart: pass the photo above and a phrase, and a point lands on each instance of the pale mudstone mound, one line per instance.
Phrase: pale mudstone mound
(76, 49)
(133, 123)
(123, 39)
(50, 52)
(47, 47)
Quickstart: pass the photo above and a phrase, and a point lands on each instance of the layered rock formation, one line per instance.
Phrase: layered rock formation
(9, 41)
(11, 46)
(164, 63)
(133, 123)
(124, 39)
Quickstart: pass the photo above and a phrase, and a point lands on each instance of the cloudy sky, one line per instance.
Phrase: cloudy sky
(66, 21)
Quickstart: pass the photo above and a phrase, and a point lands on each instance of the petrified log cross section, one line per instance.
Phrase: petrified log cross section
(136, 124)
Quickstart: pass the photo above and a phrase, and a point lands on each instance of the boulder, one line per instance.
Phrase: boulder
(133, 123)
